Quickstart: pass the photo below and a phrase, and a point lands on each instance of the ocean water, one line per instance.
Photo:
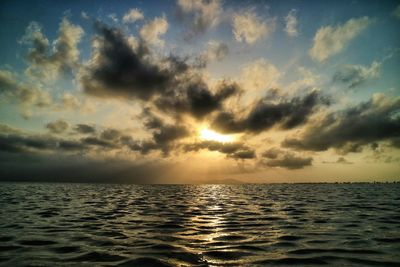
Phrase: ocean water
(43, 224)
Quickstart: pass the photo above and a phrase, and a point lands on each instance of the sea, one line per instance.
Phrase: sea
(73, 224)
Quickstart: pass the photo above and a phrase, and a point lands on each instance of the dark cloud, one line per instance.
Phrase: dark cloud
(71, 145)
(119, 70)
(57, 127)
(85, 129)
(243, 154)
(349, 130)
(116, 69)
(275, 157)
(235, 150)
(356, 75)
(195, 98)
(266, 114)
(271, 153)
(143, 147)
(95, 141)
(163, 134)
(110, 134)
(15, 142)
(289, 161)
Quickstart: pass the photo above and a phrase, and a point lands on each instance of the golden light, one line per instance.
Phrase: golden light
(210, 135)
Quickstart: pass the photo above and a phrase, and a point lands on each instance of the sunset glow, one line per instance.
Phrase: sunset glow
(277, 91)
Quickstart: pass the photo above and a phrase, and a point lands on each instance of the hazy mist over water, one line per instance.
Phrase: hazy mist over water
(199, 225)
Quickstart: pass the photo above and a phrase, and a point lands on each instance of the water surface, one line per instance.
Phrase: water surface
(199, 225)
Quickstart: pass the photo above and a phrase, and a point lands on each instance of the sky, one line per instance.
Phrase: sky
(193, 91)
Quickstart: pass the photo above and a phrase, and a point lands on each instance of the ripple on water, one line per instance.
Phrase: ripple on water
(289, 238)
(6, 238)
(66, 249)
(37, 242)
(4, 248)
(221, 225)
(145, 262)
(97, 257)
(230, 238)
(227, 255)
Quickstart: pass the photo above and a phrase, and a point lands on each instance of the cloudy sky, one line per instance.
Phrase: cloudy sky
(200, 91)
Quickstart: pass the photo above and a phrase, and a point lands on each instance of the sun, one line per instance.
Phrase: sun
(210, 135)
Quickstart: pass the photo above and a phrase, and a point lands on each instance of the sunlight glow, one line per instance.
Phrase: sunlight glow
(210, 135)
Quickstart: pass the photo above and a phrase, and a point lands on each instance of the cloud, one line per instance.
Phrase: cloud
(57, 127)
(117, 70)
(236, 150)
(356, 75)
(152, 31)
(98, 142)
(259, 75)
(110, 134)
(199, 15)
(249, 28)
(7, 81)
(85, 129)
(330, 40)
(48, 61)
(133, 15)
(265, 114)
(194, 97)
(291, 24)
(280, 158)
(307, 79)
(113, 17)
(243, 154)
(271, 153)
(290, 162)
(216, 51)
(25, 95)
(349, 129)
(164, 135)
(70, 101)
(17, 141)
(169, 84)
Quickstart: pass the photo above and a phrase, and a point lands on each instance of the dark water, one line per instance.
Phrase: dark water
(199, 225)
